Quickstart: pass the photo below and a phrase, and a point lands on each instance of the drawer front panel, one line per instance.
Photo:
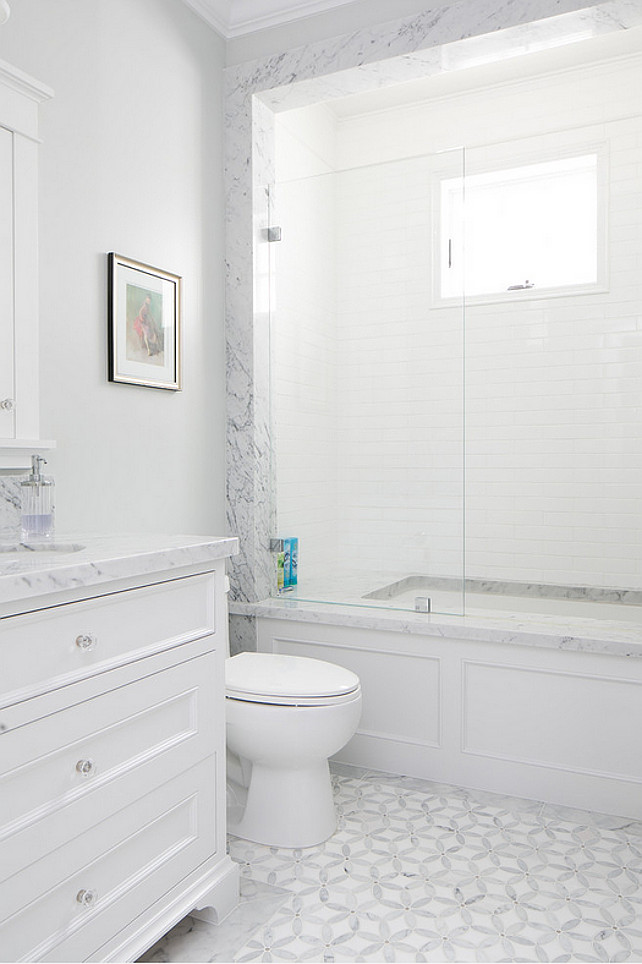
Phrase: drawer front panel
(111, 873)
(47, 649)
(78, 760)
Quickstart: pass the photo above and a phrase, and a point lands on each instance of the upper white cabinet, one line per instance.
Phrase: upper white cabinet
(7, 414)
(20, 97)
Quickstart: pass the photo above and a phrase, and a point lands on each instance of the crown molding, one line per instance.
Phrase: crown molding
(234, 18)
(11, 76)
(250, 15)
(216, 13)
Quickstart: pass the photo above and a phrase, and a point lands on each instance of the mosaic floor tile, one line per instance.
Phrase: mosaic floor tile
(419, 871)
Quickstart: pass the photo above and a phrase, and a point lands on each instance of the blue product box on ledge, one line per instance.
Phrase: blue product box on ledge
(291, 561)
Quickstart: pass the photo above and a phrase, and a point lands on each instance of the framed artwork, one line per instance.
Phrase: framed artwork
(144, 314)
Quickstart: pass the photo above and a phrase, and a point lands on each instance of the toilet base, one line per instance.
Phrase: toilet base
(287, 808)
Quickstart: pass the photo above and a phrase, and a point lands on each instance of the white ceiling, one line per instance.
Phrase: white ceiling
(232, 18)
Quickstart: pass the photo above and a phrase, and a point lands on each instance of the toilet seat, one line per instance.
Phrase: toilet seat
(281, 680)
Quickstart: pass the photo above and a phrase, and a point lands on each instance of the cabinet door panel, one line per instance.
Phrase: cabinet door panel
(56, 646)
(75, 899)
(164, 721)
(7, 416)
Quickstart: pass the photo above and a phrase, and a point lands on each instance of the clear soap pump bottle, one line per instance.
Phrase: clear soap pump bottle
(37, 504)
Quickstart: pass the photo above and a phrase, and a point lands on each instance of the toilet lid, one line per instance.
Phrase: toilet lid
(272, 677)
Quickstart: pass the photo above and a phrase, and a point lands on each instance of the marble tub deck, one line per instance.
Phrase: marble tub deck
(419, 871)
(350, 607)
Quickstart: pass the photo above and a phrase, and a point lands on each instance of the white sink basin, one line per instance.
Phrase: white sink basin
(25, 547)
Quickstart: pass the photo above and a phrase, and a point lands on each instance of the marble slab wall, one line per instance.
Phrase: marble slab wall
(443, 37)
(9, 507)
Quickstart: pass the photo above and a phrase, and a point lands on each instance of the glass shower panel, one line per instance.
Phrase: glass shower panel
(553, 375)
(367, 387)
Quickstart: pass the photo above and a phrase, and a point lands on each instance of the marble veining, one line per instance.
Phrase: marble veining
(446, 36)
(628, 597)
(10, 500)
(422, 871)
(25, 576)
(518, 629)
(242, 633)
(433, 42)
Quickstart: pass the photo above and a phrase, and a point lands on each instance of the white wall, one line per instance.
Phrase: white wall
(130, 162)
(554, 439)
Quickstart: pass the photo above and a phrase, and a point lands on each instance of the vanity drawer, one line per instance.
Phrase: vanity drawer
(65, 772)
(47, 649)
(71, 902)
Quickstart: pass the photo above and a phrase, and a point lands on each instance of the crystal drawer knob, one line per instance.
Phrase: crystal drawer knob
(87, 897)
(86, 641)
(86, 767)
(7, 404)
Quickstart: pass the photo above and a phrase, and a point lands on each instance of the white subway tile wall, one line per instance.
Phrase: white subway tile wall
(369, 376)
(304, 367)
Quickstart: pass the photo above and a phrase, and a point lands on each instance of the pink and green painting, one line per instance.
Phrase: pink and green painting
(144, 326)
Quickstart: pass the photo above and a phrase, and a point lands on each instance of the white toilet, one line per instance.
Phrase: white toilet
(285, 716)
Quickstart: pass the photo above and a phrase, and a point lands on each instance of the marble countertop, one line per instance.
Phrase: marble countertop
(26, 575)
(612, 637)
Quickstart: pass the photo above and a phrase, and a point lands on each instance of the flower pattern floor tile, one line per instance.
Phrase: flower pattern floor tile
(423, 872)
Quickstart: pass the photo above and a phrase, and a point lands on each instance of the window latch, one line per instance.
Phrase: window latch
(527, 284)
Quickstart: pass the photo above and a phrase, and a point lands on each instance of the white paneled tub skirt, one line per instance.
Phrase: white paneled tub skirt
(536, 715)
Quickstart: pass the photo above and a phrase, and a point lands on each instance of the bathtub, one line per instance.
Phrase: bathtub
(545, 703)
(485, 596)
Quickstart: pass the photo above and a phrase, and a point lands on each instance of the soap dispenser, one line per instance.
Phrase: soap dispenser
(37, 504)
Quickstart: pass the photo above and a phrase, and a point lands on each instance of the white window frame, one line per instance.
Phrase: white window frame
(499, 157)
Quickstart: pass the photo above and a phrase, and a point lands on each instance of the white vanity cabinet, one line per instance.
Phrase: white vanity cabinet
(112, 781)
(20, 96)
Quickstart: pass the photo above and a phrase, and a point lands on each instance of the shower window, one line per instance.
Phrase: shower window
(530, 227)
